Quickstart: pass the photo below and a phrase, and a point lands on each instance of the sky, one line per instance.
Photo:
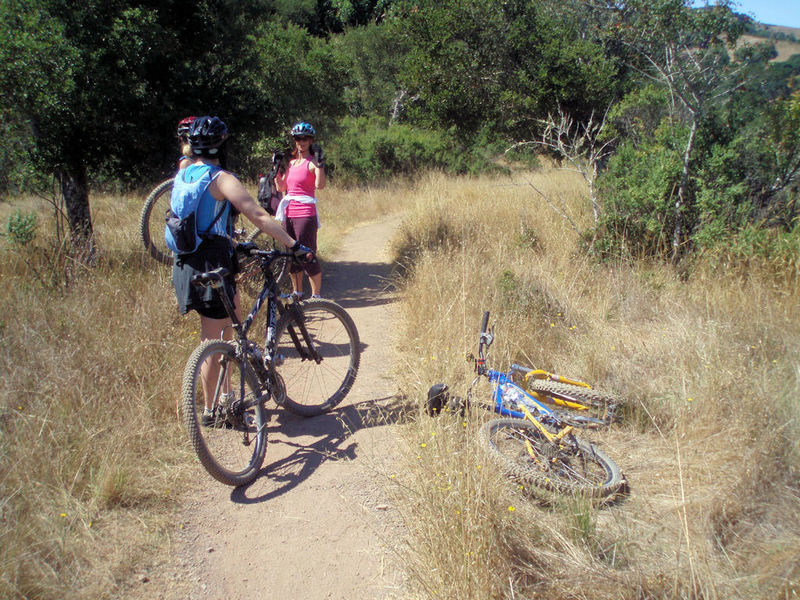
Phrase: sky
(770, 12)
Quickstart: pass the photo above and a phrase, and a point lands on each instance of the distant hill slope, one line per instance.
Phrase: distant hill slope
(786, 39)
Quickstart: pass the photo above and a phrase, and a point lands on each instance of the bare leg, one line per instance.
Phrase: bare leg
(297, 282)
(316, 283)
(209, 370)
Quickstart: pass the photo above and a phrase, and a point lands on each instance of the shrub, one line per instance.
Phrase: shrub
(368, 150)
(21, 227)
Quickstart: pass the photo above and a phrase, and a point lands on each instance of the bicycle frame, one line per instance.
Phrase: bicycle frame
(263, 364)
(528, 403)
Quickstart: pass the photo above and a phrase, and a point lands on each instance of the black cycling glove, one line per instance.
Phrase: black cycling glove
(318, 153)
(245, 248)
(300, 253)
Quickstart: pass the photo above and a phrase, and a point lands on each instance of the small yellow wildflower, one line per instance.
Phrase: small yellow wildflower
(511, 509)
(688, 399)
(63, 515)
(423, 444)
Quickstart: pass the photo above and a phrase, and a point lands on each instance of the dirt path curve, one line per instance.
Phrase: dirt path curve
(315, 524)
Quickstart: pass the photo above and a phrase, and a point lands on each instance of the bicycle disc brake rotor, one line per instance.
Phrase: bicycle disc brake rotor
(278, 388)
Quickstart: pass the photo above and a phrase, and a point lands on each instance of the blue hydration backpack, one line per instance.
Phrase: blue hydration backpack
(181, 234)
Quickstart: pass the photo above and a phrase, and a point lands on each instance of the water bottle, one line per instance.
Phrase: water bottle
(511, 396)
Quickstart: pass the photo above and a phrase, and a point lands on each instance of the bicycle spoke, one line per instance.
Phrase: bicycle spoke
(230, 441)
(313, 387)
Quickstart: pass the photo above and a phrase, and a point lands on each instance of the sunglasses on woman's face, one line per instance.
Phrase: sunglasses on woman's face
(300, 138)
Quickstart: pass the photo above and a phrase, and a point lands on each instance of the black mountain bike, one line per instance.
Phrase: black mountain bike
(307, 365)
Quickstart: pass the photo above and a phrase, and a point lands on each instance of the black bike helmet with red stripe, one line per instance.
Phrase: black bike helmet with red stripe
(184, 125)
(206, 135)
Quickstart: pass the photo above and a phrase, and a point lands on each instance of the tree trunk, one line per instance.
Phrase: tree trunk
(75, 190)
(680, 202)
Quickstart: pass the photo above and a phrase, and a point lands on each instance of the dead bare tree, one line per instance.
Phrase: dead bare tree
(582, 146)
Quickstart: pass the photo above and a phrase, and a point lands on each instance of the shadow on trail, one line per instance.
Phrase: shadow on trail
(312, 441)
(333, 431)
(357, 284)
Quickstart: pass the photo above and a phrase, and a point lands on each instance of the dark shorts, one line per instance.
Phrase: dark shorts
(212, 253)
(304, 230)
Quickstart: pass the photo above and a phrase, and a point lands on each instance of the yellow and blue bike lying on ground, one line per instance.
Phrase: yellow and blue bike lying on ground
(535, 442)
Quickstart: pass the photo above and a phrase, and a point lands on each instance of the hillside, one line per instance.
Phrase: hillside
(785, 47)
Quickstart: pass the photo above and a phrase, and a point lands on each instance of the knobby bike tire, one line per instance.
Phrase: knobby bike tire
(232, 449)
(314, 388)
(599, 405)
(250, 277)
(153, 221)
(571, 467)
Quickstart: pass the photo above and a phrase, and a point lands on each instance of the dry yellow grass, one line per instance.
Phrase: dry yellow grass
(93, 461)
(708, 369)
(785, 48)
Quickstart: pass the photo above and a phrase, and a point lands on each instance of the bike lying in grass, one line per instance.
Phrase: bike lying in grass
(307, 365)
(536, 443)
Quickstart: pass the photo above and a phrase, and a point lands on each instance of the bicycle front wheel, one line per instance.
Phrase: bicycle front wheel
(597, 405)
(231, 439)
(570, 466)
(250, 276)
(315, 386)
(153, 221)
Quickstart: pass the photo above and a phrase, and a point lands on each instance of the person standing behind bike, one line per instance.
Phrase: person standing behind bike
(298, 208)
(183, 135)
(225, 196)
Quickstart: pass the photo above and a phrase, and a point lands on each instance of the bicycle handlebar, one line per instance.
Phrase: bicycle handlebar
(485, 321)
(268, 256)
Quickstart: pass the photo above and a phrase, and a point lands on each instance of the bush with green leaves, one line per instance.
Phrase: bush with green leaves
(369, 150)
(638, 189)
(21, 227)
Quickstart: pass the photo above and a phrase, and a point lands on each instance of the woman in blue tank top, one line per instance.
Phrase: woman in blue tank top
(224, 191)
(227, 194)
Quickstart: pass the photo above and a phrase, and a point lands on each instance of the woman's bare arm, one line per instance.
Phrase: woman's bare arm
(225, 185)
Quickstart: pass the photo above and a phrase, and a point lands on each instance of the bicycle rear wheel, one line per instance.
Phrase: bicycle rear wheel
(230, 443)
(153, 221)
(570, 466)
(594, 403)
(312, 387)
(250, 276)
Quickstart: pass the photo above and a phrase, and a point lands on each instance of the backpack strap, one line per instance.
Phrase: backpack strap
(216, 218)
(212, 172)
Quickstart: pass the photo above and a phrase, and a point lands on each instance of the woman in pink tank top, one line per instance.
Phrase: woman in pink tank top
(298, 209)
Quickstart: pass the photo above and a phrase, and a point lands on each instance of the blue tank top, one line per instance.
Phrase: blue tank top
(208, 206)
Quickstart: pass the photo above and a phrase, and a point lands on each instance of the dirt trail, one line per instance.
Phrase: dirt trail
(315, 524)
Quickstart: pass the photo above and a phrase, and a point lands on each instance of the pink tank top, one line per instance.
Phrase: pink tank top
(302, 182)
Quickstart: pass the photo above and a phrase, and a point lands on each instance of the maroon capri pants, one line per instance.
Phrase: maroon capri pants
(304, 230)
